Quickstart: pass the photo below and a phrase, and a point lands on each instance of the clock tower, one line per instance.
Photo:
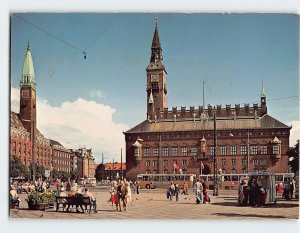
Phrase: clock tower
(28, 94)
(156, 79)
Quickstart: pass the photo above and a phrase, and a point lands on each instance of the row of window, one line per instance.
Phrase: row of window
(223, 162)
(243, 149)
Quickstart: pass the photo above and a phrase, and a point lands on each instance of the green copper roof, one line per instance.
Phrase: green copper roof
(28, 70)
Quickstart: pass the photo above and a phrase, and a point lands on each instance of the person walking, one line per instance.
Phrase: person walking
(198, 191)
(292, 187)
(177, 191)
(185, 188)
(171, 190)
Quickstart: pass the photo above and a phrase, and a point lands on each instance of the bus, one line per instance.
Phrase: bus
(231, 181)
(152, 181)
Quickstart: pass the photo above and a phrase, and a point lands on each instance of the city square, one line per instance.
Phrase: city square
(153, 204)
(239, 144)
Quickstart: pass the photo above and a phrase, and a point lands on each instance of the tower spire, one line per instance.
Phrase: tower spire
(262, 94)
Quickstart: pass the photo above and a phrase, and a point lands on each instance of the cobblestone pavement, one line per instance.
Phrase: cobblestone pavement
(153, 204)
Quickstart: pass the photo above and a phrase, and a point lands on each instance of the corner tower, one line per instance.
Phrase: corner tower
(263, 100)
(156, 78)
(28, 93)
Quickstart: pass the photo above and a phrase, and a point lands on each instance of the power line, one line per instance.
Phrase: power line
(51, 35)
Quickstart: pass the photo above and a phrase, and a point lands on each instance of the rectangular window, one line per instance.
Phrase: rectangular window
(184, 151)
(174, 151)
(184, 162)
(243, 149)
(148, 163)
(136, 152)
(165, 151)
(165, 163)
(264, 149)
(223, 162)
(194, 151)
(254, 150)
(232, 150)
(212, 150)
(155, 152)
(255, 162)
(155, 163)
(223, 150)
(146, 151)
(275, 149)
(233, 162)
(244, 162)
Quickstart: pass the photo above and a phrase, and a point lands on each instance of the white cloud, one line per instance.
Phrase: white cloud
(81, 122)
(295, 132)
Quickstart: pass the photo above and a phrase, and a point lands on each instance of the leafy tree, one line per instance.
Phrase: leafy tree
(293, 154)
(17, 168)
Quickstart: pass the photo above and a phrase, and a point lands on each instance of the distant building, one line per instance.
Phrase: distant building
(182, 140)
(85, 162)
(110, 171)
(61, 157)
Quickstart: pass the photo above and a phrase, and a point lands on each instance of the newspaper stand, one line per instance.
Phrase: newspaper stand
(266, 180)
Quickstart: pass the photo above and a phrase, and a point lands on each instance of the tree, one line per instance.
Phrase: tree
(17, 168)
(293, 154)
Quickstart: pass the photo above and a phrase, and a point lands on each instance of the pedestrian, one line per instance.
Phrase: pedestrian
(185, 188)
(198, 191)
(292, 187)
(171, 190)
(129, 195)
(113, 196)
(204, 186)
(286, 189)
(279, 189)
(137, 186)
(122, 195)
(177, 191)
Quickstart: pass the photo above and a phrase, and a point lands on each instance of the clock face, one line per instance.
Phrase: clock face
(154, 77)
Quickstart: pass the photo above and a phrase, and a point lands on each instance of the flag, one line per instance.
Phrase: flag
(176, 166)
(202, 166)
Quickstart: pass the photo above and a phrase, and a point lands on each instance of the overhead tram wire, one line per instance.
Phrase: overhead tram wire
(52, 35)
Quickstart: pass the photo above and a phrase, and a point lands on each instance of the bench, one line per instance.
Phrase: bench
(78, 201)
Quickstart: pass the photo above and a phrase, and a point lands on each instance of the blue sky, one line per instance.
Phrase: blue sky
(234, 53)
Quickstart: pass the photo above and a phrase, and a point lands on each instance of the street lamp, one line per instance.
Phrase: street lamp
(33, 148)
(216, 189)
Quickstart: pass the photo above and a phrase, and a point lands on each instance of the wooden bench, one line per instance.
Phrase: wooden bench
(78, 201)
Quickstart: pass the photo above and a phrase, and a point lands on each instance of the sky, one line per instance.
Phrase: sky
(91, 102)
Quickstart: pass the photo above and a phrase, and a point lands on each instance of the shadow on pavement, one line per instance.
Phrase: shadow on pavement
(248, 215)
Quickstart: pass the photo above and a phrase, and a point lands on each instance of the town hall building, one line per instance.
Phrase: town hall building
(181, 139)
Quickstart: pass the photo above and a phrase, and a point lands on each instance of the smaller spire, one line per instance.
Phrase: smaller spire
(156, 20)
(28, 46)
(151, 101)
(262, 94)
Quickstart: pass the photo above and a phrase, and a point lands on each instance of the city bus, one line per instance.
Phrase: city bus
(231, 181)
(151, 181)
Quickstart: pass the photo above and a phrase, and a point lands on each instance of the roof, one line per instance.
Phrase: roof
(15, 121)
(263, 122)
(55, 143)
(115, 166)
(28, 64)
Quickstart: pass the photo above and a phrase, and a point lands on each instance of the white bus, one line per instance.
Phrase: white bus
(149, 181)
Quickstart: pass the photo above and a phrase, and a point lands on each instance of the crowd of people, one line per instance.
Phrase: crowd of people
(253, 193)
(120, 194)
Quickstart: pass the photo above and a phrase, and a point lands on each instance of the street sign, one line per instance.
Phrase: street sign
(47, 173)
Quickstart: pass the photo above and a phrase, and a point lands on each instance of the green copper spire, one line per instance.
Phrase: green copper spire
(28, 70)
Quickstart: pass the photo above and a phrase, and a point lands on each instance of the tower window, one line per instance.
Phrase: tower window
(155, 86)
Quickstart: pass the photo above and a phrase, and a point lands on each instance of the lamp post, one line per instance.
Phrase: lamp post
(248, 151)
(216, 189)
